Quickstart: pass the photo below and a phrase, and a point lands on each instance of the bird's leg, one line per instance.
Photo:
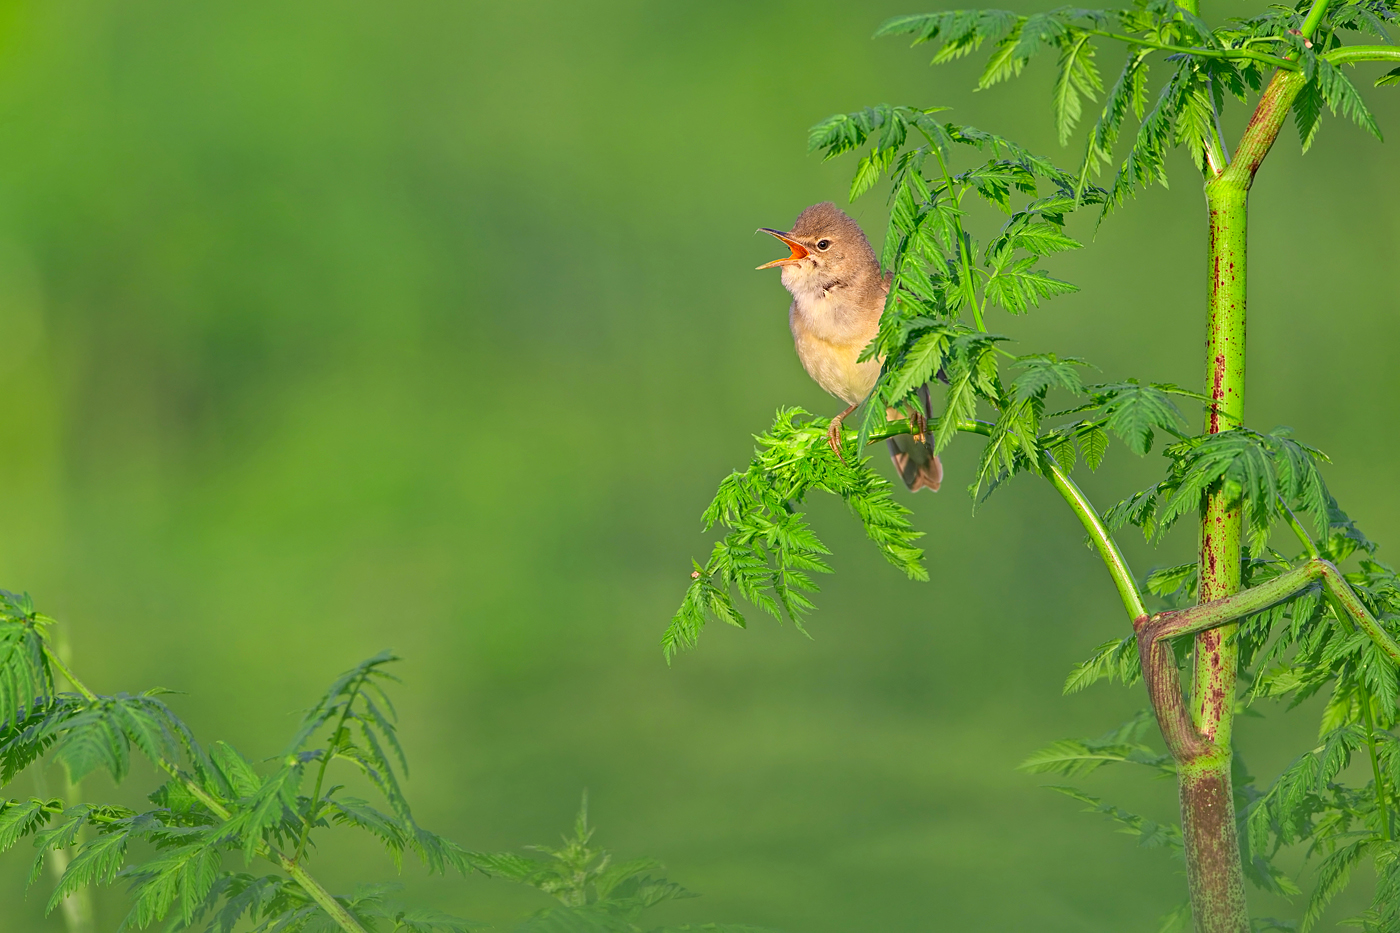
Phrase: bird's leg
(833, 432)
(918, 422)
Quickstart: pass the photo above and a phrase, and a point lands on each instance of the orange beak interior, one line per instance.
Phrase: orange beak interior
(799, 252)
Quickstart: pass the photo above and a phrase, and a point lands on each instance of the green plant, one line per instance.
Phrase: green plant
(1283, 621)
(191, 859)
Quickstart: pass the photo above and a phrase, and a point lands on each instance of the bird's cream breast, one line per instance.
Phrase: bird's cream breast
(829, 347)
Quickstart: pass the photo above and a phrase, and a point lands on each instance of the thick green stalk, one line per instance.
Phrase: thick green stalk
(1213, 869)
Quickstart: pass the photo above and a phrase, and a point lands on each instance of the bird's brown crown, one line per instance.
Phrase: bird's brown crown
(849, 247)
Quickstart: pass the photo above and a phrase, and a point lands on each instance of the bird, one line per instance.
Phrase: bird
(838, 294)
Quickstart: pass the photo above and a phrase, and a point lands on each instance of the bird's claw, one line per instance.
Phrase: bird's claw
(919, 423)
(833, 437)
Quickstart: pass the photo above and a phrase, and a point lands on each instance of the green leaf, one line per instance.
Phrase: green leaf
(769, 550)
(869, 170)
(1093, 444)
(183, 875)
(1018, 288)
(1307, 112)
(1333, 876)
(1134, 411)
(1073, 758)
(1045, 371)
(97, 862)
(22, 818)
(1078, 77)
(920, 363)
(1114, 659)
(235, 769)
(1341, 96)
(1150, 834)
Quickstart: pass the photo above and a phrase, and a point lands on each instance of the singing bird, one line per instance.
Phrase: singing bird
(838, 294)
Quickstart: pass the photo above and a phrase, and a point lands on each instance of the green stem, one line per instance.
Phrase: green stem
(1236, 54)
(1113, 558)
(1300, 532)
(1213, 870)
(315, 806)
(1350, 54)
(1314, 18)
(1375, 763)
(1213, 615)
(57, 664)
(1079, 503)
(327, 902)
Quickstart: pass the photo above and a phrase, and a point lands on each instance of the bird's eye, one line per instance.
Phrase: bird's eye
(823, 244)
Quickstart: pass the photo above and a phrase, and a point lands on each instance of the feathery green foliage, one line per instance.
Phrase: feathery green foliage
(1206, 65)
(187, 860)
(769, 550)
(935, 346)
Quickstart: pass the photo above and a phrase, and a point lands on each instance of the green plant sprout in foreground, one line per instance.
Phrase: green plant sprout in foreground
(227, 845)
(1252, 618)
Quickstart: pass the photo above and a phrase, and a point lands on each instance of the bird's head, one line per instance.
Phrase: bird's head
(827, 247)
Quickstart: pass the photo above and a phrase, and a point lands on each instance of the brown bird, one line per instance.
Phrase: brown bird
(838, 294)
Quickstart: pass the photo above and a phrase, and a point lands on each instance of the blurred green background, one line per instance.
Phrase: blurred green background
(332, 326)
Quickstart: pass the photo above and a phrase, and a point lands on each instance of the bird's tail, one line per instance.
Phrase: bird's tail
(913, 454)
(916, 462)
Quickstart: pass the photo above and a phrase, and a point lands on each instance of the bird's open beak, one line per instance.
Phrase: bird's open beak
(799, 252)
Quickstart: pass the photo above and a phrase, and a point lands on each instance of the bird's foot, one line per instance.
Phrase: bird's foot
(833, 437)
(919, 423)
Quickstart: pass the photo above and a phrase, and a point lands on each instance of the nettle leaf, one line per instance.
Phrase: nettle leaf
(1093, 444)
(972, 373)
(1307, 112)
(1150, 834)
(1129, 92)
(1389, 78)
(183, 876)
(101, 733)
(871, 167)
(1045, 371)
(1194, 121)
(1146, 161)
(98, 861)
(1170, 580)
(1341, 96)
(25, 678)
(1018, 288)
(921, 362)
(961, 31)
(21, 818)
(242, 780)
(1079, 77)
(1334, 875)
(1266, 471)
(1076, 757)
(1114, 659)
(889, 125)
(1134, 412)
